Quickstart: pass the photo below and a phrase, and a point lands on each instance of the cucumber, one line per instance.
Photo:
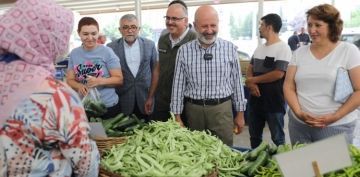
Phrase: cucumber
(272, 149)
(124, 124)
(133, 127)
(246, 167)
(260, 161)
(109, 123)
(255, 152)
(281, 148)
(97, 107)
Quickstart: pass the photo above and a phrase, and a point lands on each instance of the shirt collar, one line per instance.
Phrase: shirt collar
(182, 36)
(212, 45)
(129, 46)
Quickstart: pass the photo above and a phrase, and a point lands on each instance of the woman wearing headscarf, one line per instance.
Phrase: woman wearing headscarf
(43, 126)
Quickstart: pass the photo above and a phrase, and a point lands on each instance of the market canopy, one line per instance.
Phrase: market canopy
(85, 7)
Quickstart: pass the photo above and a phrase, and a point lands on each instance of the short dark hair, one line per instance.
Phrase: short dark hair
(182, 3)
(274, 20)
(330, 15)
(178, 2)
(87, 21)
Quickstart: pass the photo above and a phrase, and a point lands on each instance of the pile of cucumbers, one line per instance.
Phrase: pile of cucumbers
(256, 159)
(94, 108)
(120, 125)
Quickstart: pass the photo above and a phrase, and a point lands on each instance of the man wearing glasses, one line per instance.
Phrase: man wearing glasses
(178, 33)
(138, 58)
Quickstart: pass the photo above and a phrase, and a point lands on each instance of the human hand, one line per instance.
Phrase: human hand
(239, 123)
(148, 105)
(325, 120)
(254, 90)
(178, 120)
(83, 90)
(311, 120)
(92, 81)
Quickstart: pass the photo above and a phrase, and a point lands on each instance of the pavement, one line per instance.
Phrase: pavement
(243, 139)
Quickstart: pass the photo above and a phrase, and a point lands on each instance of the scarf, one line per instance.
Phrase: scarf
(37, 32)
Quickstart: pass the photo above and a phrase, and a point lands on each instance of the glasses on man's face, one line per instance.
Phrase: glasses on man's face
(174, 19)
(127, 27)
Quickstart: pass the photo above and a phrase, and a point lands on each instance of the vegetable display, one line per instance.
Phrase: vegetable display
(120, 125)
(166, 149)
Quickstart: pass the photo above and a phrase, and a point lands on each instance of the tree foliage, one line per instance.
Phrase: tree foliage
(354, 20)
(234, 28)
(147, 31)
(242, 27)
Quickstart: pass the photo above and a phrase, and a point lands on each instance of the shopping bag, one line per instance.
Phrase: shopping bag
(94, 107)
(343, 86)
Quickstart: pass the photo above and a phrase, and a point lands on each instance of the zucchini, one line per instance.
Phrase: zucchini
(246, 167)
(113, 133)
(97, 107)
(124, 124)
(109, 123)
(255, 152)
(260, 161)
(272, 149)
(133, 127)
(281, 148)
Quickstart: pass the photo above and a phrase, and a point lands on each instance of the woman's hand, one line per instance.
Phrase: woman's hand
(83, 90)
(317, 121)
(327, 119)
(92, 81)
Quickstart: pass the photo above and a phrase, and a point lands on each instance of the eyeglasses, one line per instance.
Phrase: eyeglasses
(174, 19)
(132, 27)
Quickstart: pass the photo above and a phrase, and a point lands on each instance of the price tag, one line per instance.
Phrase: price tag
(330, 154)
(97, 130)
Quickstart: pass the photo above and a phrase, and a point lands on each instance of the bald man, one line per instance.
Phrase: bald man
(208, 80)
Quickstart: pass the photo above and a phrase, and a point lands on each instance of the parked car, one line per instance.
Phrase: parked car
(353, 37)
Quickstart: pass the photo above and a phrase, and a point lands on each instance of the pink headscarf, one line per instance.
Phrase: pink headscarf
(37, 31)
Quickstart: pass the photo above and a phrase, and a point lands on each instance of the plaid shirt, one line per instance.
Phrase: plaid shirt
(198, 78)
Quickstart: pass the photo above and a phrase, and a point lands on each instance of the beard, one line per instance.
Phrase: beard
(130, 39)
(202, 38)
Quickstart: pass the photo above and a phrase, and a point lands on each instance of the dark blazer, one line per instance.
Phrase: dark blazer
(135, 86)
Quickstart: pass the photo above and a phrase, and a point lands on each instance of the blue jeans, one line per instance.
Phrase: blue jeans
(257, 121)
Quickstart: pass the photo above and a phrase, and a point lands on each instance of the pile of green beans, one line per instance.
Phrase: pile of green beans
(166, 149)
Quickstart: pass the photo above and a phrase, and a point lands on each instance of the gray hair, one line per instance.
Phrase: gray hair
(128, 17)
